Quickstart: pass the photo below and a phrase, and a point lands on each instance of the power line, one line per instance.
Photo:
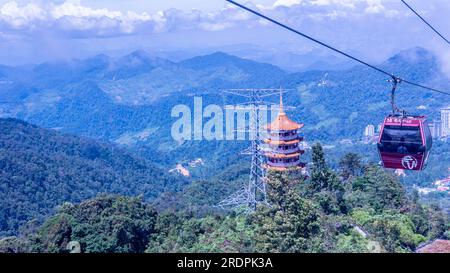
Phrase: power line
(425, 21)
(334, 49)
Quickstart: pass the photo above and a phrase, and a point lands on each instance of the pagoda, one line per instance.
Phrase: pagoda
(283, 143)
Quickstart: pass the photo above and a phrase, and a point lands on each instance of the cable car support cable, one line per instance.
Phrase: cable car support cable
(425, 21)
(395, 82)
(335, 49)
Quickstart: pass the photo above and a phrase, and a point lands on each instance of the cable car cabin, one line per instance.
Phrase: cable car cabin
(405, 142)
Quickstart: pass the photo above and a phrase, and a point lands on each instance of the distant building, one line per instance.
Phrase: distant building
(443, 185)
(421, 107)
(346, 141)
(369, 134)
(436, 129)
(425, 190)
(432, 125)
(379, 128)
(369, 131)
(400, 172)
(304, 145)
(445, 119)
(328, 147)
(437, 246)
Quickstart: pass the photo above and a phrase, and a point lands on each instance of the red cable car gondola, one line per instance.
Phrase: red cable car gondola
(405, 141)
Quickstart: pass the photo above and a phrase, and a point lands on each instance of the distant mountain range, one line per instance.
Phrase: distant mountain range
(128, 100)
(291, 58)
(123, 99)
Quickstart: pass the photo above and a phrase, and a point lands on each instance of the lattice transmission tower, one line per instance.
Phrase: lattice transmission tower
(254, 192)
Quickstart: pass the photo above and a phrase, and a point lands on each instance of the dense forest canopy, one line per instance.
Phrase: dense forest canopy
(40, 169)
(360, 209)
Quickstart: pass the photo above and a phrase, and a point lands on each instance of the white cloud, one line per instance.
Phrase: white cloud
(338, 3)
(71, 18)
(287, 3)
(376, 27)
(18, 16)
(74, 9)
(375, 6)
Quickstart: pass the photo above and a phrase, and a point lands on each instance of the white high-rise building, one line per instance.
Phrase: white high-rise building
(369, 131)
(379, 128)
(437, 129)
(445, 119)
(432, 129)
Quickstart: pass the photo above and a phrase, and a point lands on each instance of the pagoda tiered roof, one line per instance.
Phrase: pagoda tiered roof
(275, 155)
(282, 122)
(283, 132)
(276, 168)
(283, 142)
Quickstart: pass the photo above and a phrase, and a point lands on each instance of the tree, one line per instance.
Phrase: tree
(55, 234)
(14, 245)
(383, 189)
(351, 165)
(325, 187)
(290, 224)
(388, 233)
(438, 222)
(419, 215)
(183, 233)
(352, 243)
(105, 224)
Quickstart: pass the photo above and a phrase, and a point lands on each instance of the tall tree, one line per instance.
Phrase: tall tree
(384, 190)
(290, 224)
(350, 165)
(324, 185)
(105, 224)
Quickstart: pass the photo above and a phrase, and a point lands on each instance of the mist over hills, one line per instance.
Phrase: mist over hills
(128, 100)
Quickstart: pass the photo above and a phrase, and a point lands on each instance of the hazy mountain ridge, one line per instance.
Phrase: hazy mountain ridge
(332, 104)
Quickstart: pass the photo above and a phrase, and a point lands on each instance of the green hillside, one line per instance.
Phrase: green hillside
(361, 209)
(40, 169)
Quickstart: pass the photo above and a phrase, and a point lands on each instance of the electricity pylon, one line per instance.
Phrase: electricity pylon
(247, 199)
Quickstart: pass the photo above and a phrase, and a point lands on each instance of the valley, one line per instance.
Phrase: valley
(74, 131)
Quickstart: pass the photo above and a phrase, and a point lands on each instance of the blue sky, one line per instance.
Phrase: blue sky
(34, 31)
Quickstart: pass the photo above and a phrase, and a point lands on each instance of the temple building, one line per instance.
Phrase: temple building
(283, 143)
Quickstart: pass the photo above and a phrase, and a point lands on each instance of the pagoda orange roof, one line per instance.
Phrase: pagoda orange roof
(282, 122)
(282, 142)
(272, 155)
(298, 167)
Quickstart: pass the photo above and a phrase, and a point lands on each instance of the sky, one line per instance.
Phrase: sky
(33, 31)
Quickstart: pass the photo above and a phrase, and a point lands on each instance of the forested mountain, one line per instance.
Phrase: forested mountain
(40, 169)
(360, 209)
(106, 97)
(128, 100)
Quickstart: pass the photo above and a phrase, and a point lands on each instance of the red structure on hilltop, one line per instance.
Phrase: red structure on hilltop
(283, 141)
